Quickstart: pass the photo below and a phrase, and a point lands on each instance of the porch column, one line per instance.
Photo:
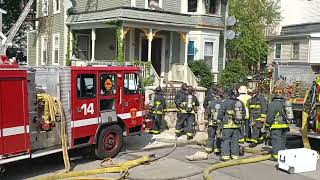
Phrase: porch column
(93, 43)
(170, 56)
(186, 42)
(150, 37)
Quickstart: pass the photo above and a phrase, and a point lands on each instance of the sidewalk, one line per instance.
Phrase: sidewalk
(163, 140)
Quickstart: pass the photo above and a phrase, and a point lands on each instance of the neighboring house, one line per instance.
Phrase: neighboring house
(167, 33)
(296, 42)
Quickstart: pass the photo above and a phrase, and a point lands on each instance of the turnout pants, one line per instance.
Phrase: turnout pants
(179, 123)
(230, 142)
(213, 141)
(245, 130)
(278, 140)
(157, 120)
(256, 131)
(189, 118)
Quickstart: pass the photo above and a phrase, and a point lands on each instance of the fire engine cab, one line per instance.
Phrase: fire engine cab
(100, 105)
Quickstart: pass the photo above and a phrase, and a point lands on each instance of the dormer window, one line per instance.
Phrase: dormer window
(154, 4)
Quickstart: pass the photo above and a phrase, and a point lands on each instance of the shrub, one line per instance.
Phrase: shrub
(201, 69)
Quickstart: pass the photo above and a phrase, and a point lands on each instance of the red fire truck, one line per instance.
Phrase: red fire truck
(101, 105)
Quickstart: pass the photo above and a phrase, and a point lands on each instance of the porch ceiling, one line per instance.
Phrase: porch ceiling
(147, 18)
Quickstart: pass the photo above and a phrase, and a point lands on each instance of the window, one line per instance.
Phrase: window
(56, 6)
(44, 8)
(83, 46)
(131, 83)
(208, 52)
(133, 3)
(192, 5)
(213, 6)
(44, 50)
(55, 49)
(277, 52)
(86, 86)
(154, 4)
(108, 84)
(295, 50)
(191, 51)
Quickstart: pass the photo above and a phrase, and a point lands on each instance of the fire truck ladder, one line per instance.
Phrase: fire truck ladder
(15, 28)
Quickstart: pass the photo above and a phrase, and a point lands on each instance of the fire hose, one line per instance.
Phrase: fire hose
(123, 167)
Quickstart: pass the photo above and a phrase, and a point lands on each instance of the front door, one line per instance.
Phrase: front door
(84, 105)
(156, 53)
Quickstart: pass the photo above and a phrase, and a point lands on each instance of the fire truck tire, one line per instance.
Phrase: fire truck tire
(109, 142)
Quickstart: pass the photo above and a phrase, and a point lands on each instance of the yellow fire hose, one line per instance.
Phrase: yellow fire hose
(123, 167)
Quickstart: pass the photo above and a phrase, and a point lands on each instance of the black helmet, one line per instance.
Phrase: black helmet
(233, 92)
(190, 90)
(184, 87)
(158, 89)
(214, 88)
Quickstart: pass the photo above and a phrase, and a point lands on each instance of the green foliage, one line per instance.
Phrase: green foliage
(253, 18)
(14, 9)
(68, 54)
(119, 27)
(201, 69)
(147, 80)
(235, 73)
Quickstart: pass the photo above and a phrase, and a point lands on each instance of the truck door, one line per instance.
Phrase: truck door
(131, 101)
(14, 116)
(84, 106)
(108, 96)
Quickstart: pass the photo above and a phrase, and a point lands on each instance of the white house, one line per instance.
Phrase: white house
(295, 42)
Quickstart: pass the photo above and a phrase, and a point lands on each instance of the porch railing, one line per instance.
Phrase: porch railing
(182, 73)
(149, 74)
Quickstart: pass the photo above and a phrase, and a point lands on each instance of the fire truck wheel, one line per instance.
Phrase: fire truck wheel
(109, 142)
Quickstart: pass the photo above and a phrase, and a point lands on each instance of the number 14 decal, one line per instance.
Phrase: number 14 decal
(87, 109)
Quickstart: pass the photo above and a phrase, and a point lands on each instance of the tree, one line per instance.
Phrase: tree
(235, 73)
(14, 9)
(254, 16)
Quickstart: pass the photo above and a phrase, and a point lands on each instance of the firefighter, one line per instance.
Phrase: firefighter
(278, 117)
(214, 125)
(179, 96)
(245, 129)
(258, 111)
(231, 113)
(188, 111)
(209, 96)
(157, 109)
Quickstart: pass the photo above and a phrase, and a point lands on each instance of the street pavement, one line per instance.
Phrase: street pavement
(173, 166)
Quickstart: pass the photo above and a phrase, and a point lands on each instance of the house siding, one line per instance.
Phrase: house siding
(140, 3)
(176, 48)
(172, 6)
(286, 54)
(105, 41)
(315, 51)
(57, 27)
(95, 5)
(31, 51)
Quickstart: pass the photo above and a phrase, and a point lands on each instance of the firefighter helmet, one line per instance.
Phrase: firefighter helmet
(184, 87)
(158, 89)
(243, 90)
(233, 93)
(190, 90)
